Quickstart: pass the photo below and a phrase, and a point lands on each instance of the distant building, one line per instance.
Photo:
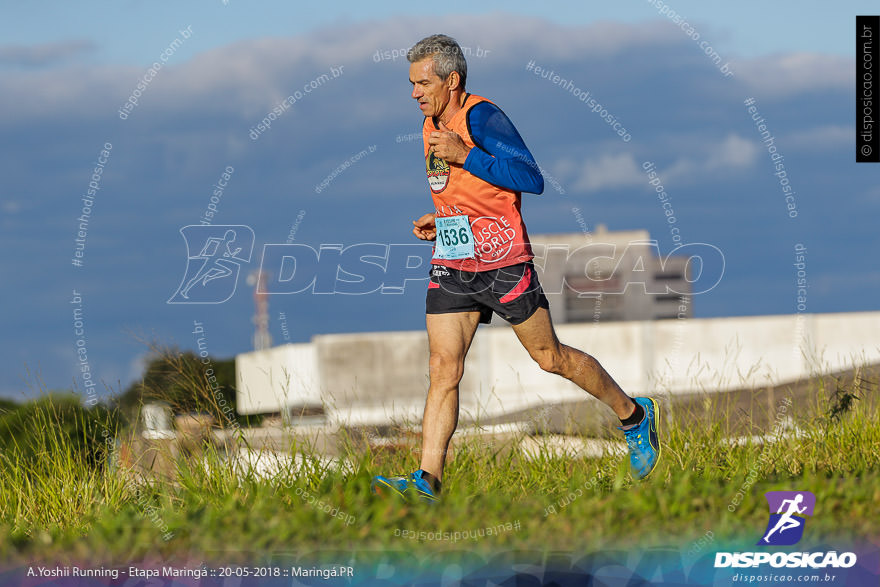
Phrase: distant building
(608, 276)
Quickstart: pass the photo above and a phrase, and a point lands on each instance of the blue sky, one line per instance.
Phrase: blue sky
(122, 32)
(67, 70)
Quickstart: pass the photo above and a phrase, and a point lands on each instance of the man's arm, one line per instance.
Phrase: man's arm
(502, 157)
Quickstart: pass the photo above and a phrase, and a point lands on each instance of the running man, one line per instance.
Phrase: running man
(478, 166)
(787, 521)
(214, 261)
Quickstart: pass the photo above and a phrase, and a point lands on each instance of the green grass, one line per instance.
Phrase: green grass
(57, 505)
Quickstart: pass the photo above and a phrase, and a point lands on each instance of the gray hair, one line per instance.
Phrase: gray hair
(447, 54)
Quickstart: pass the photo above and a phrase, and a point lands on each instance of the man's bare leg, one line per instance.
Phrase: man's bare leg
(449, 338)
(538, 337)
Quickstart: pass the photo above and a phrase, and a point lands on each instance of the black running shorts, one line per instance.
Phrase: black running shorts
(511, 292)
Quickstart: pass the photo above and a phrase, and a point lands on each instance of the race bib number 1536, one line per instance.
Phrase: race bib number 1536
(454, 238)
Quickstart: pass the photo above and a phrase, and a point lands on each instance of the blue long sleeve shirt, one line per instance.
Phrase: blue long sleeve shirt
(501, 156)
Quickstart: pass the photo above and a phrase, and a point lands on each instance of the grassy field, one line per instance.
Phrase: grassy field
(706, 492)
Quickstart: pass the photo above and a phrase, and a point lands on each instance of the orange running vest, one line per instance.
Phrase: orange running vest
(500, 237)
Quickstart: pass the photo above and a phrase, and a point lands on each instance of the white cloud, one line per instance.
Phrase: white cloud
(44, 53)
(138, 365)
(794, 73)
(240, 83)
(820, 138)
(610, 171)
(684, 169)
(871, 195)
(254, 75)
(734, 152)
(11, 206)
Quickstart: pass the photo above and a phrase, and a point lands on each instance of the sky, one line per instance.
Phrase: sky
(341, 164)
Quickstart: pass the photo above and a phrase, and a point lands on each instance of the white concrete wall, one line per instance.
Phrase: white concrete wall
(379, 377)
(846, 340)
(285, 375)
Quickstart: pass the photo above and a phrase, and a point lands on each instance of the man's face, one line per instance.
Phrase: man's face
(429, 90)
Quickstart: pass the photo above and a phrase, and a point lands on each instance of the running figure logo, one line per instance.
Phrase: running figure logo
(212, 274)
(786, 526)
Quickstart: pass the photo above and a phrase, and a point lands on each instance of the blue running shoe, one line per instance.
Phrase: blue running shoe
(421, 488)
(380, 485)
(406, 487)
(644, 447)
